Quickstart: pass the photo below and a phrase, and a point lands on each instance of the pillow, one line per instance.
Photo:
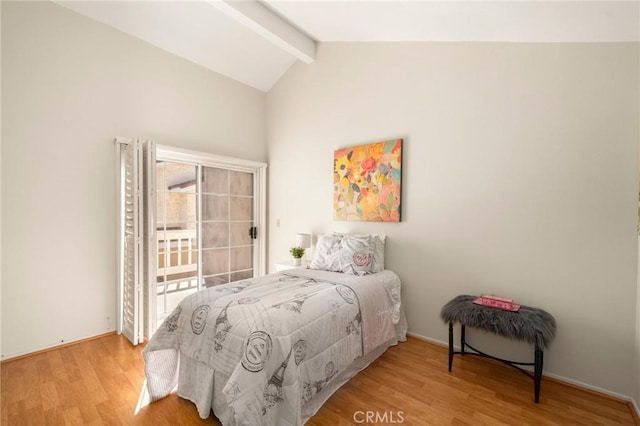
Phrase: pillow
(355, 255)
(377, 247)
(327, 253)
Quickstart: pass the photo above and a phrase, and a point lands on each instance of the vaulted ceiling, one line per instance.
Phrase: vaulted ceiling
(255, 42)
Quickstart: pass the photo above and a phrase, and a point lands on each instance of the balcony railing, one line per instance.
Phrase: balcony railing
(177, 252)
(177, 267)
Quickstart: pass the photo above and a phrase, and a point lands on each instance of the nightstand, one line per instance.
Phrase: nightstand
(288, 264)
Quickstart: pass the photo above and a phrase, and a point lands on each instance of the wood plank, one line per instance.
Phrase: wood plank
(97, 382)
(54, 417)
(49, 396)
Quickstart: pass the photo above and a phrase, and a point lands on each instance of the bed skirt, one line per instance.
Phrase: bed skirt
(195, 373)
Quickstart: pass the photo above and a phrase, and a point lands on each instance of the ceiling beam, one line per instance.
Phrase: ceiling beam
(267, 24)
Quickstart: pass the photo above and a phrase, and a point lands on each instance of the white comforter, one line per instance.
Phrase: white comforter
(272, 343)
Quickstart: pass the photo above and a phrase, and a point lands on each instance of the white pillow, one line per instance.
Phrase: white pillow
(377, 247)
(356, 256)
(327, 253)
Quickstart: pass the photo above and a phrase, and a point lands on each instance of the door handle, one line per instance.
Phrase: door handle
(253, 232)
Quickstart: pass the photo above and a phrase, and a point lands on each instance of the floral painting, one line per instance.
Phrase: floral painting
(366, 182)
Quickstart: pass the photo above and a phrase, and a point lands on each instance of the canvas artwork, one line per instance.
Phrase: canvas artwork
(366, 182)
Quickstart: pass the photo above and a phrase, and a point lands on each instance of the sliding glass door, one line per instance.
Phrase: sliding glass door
(227, 225)
(186, 221)
(177, 234)
(206, 228)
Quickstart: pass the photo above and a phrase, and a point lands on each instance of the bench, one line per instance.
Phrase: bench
(529, 324)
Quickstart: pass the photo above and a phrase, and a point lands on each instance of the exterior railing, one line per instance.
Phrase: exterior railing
(177, 252)
(177, 266)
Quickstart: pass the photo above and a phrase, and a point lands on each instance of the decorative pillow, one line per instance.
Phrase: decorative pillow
(327, 254)
(356, 256)
(377, 248)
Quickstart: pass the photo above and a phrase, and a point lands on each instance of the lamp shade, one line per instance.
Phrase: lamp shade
(303, 240)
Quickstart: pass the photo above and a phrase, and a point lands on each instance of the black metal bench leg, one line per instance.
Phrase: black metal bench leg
(462, 338)
(539, 355)
(450, 345)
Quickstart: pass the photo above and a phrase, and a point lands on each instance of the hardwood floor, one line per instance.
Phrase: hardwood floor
(98, 382)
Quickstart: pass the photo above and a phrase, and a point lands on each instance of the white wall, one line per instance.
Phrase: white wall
(519, 179)
(70, 85)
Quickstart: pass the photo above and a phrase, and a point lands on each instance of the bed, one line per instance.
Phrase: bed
(271, 350)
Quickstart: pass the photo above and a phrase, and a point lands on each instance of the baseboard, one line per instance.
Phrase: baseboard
(554, 377)
(428, 339)
(53, 348)
(587, 387)
(635, 411)
(432, 341)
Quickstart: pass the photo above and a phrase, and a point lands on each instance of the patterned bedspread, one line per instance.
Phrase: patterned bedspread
(274, 341)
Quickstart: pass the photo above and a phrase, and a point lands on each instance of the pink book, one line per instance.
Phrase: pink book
(497, 302)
